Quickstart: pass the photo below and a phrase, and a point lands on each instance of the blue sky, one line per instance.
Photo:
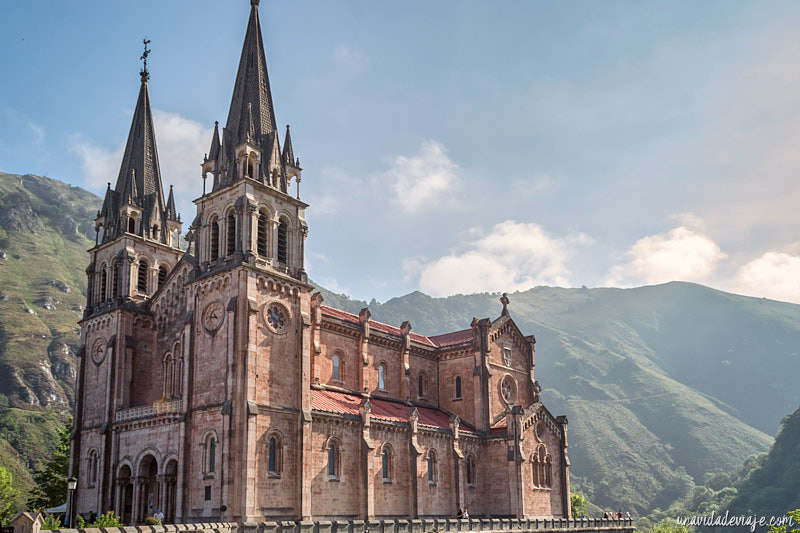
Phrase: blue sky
(455, 146)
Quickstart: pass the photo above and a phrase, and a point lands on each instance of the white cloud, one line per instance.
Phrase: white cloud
(181, 143)
(682, 254)
(513, 256)
(774, 275)
(427, 177)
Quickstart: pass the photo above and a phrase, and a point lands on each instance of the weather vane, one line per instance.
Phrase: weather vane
(145, 75)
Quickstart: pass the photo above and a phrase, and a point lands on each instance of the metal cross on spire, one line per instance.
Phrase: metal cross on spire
(144, 73)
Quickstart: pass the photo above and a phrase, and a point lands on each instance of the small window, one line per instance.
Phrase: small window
(471, 466)
(231, 235)
(282, 241)
(337, 368)
(382, 376)
(432, 474)
(131, 225)
(155, 232)
(262, 235)
(214, 239)
(141, 284)
(274, 456)
(458, 388)
(93, 467)
(115, 281)
(333, 460)
(421, 385)
(103, 283)
(211, 454)
(162, 275)
(208, 493)
(386, 463)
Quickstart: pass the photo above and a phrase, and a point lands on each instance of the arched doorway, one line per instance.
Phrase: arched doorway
(125, 494)
(148, 487)
(171, 483)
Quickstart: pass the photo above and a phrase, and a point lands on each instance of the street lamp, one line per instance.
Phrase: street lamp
(72, 484)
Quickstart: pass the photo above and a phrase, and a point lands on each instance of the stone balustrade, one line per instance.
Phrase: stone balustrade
(146, 411)
(426, 525)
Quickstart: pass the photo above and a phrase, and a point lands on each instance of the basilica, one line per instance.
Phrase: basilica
(215, 384)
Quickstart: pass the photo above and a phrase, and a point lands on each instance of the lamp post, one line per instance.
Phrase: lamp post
(72, 484)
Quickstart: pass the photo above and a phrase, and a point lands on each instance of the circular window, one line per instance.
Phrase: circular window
(99, 351)
(508, 390)
(277, 318)
(539, 432)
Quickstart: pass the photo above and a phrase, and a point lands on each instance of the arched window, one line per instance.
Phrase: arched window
(214, 239)
(93, 467)
(115, 281)
(230, 241)
(472, 465)
(458, 388)
(421, 385)
(131, 225)
(262, 235)
(548, 468)
(337, 368)
(141, 284)
(283, 231)
(274, 455)
(212, 454)
(169, 377)
(432, 467)
(162, 275)
(103, 283)
(333, 460)
(382, 376)
(541, 474)
(155, 232)
(386, 463)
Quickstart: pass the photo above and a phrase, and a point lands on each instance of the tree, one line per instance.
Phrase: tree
(579, 503)
(782, 528)
(51, 477)
(8, 496)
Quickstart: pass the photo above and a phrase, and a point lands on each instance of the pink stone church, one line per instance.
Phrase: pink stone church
(215, 384)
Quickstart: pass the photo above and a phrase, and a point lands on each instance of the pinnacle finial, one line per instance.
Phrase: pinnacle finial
(144, 73)
(254, 3)
(504, 300)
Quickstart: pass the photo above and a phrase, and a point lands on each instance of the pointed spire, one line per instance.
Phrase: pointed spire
(252, 87)
(141, 155)
(213, 153)
(130, 195)
(172, 213)
(288, 151)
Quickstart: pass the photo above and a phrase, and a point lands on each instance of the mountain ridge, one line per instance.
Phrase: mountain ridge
(625, 365)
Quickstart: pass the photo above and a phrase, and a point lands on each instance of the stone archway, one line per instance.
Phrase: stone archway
(125, 495)
(170, 486)
(148, 488)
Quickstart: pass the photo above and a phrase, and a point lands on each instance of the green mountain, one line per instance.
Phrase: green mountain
(45, 229)
(772, 487)
(662, 385)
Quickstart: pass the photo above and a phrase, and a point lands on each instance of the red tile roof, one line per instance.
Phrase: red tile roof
(439, 341)
(391, 411)
(451, 339)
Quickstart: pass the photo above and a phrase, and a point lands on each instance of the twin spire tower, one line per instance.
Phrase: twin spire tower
(247, 150)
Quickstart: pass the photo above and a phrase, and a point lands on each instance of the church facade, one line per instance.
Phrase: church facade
(215, 384)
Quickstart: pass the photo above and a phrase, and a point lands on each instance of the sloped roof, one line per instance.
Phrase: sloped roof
(382, 409)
